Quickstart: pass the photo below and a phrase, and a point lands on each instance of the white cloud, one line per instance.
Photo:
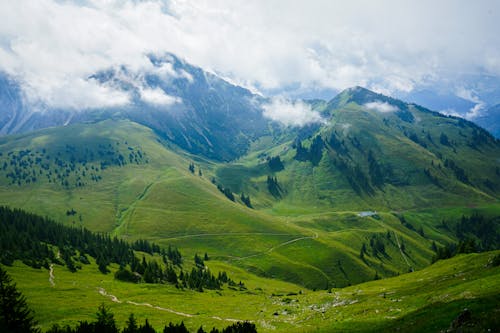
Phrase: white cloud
(382, 107)
(158, 97)
(291, 113)
(389, 45)
(470, 95)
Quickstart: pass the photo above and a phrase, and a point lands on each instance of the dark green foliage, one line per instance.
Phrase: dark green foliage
(31, 238)
(15, 315)
(405, 223)
(484, 229)
(458, 171)
(377, 245)
(273, 187)
(443, 139)
(246, 200)
(354, 174)
(75, 167)
(227, 192)
(175, 328)
(126, 275)
(316, 150)
(131, 325)
(198, 261)
(301, 153)
(476, 233)
(375, 170)
(433, 179)
(313, 154)
(275, 164)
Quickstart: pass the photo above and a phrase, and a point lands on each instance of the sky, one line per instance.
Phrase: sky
(274, 47)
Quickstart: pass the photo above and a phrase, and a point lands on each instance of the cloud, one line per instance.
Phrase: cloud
(470, 95)
(158, 97)
(267, 45)
(382, 107)
(291, 113)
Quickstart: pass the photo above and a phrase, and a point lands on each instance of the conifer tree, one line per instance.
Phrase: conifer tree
(15, 315)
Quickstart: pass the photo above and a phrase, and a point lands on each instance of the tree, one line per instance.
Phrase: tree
(15, 315)
(131, 325)
(105, 321)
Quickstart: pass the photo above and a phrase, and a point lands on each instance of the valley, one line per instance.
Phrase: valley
(332, 225)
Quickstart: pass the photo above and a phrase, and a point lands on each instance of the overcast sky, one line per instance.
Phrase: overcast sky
(53, 46)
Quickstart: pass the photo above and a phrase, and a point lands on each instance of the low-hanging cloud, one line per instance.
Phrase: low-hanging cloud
(382, 107)
(158, 97)
(52, 45)
(291, 113)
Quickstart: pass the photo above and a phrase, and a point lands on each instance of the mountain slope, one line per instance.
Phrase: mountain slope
(187, 106)
(375, 152)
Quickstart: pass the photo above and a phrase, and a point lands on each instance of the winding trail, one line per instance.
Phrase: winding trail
(229, 234)
(277, 246)
(51, 275)
(115, 299)
(402, 253)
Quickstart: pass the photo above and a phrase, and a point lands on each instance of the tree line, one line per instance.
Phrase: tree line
(34, 240)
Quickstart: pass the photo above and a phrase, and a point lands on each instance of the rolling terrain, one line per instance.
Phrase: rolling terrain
(372, 192)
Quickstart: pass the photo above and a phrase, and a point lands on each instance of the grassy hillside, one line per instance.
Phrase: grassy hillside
(119, 177)
(428, 300)
(375, 153)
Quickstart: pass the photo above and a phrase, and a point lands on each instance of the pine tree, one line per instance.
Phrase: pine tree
(105, 321)
(131, 325)
(15, 315)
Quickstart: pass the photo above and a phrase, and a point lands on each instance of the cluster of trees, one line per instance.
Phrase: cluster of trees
(71, 167)
(313, 154)
(377, 246)
(33, 239)
(275, 163)
(199, 278)
(226, 191)
(273, 186)
(413, 137)
(230, 195)
(192, 169)
(355, 175)
(106, 323)
(458, 171)
(246, 200)
(475, 233)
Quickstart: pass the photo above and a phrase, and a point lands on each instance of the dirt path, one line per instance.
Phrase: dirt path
(277, 246)
(402, 253)
(51, 275)
(229, 234)
(115, 299)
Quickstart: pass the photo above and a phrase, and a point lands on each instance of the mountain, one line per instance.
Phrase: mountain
(377, 189)
(194, 109)
(491, 120)
(378, 152)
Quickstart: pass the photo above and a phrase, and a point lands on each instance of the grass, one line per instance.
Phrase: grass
(427, 300)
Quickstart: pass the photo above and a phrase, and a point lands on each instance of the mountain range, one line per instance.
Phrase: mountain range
(369, 187)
